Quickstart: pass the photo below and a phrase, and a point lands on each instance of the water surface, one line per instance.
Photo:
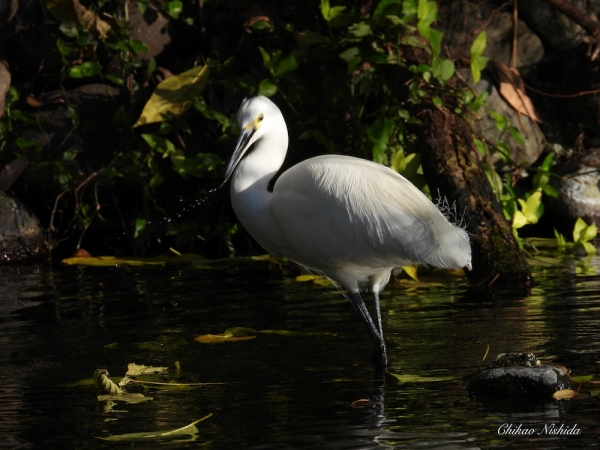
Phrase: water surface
(286, 392)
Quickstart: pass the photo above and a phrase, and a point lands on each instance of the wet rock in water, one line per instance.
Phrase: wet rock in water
(518, 375)
(21, 235)
(578, 191)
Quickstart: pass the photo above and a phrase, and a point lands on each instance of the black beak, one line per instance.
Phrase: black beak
(242, 145)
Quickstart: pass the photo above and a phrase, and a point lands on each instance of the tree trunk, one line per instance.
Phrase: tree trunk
(452, 168)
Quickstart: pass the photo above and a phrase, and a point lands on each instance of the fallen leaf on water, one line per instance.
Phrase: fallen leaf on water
(134, 369)
(112, 261)
(218, 338)
(319, 280)
(104, 384)
(174, 95)
(190, 429)
(125, 397)
(512, 89)
(243, 333)
(411, 271)
(419, 379)
(565, 394)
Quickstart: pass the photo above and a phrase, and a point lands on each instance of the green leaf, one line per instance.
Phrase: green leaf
(267, 88)
(174, 95)
(388, 7)
(69, 29)
(173, 8)
(501, 121)
(87, 69)
(159, 143)
(478, 46)
(437, 101)
(140, 226)
(519, 220)
(517, 135)
(435, 39)
(137, 46)
(398, 162)
(580, 225)
(117, 79)
(284, 65)
(560, 239)
(359, 30)
(477, 65)
(589, 248)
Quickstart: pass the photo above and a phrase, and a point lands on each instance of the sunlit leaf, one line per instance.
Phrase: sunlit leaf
(582, 379)
(104, 384)
(132, 398)
(512, 89)
(134, 369)
(564, 394)
(190, 429)
(478, 46)
(419, 379)
(219, 338)
(267, 87)
(112, 261)
(174, 95)
(411, 271)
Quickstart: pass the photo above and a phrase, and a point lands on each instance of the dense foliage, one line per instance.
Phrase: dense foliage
(350, 79)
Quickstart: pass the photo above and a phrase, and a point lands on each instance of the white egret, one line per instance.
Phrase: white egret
(349, 219)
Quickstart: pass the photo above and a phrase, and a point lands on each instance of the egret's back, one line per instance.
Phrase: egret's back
(338, 211)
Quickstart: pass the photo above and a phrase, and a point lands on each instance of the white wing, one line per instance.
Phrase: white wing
(337, 211)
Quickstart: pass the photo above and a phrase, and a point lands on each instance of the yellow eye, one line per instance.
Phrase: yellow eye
(260, 117)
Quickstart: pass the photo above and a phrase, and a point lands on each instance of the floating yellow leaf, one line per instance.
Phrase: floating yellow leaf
(243, 333)
(190, 429)
(125, 397)
(564, 394)
(134, 369)
(419, 379)
(319, 280)
(174, 95)
(218, 338)
(411, 271)
(111, 261)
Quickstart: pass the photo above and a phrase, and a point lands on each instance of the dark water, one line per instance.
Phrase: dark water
(286, 392)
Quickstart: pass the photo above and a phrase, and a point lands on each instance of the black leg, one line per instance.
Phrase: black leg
(376, 337)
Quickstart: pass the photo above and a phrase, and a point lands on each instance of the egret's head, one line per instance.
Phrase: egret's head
(256, 117)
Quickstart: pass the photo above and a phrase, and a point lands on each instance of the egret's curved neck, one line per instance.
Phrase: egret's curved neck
(266, 158)
(250, 196)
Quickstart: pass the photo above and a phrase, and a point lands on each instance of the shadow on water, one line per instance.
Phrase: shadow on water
(310, 391)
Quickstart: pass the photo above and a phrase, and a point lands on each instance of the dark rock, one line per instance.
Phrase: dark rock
(519, 381)
(518, 375)
(461, 21)
(557, 30)
(578, 191)
(151, 28)
(21, 235)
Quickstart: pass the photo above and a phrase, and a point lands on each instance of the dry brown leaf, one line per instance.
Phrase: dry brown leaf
(5, 81)
(90, 20)
(11, 172)
(512, 89)
(254, 15)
